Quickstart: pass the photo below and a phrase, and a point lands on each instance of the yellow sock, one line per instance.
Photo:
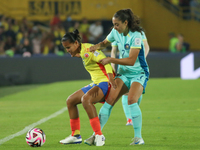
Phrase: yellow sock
(77, 132)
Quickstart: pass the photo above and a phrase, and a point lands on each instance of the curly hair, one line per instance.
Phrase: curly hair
(133, 20)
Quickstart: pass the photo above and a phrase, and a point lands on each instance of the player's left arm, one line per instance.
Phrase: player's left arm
(146, 47)
(97, 56)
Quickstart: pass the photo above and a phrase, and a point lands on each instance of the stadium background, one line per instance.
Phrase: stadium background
(156, 17)
(170, 107)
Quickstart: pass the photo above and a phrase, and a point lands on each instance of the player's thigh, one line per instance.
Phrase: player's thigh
(94, 95)
(115, 94)
(135, 92)
(75, 98)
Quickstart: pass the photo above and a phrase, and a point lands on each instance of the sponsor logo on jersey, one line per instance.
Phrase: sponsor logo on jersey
(96, 53)
(127, 46)
(86, 55)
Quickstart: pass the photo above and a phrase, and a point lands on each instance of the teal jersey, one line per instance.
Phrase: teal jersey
(143, 38)
(125, 43)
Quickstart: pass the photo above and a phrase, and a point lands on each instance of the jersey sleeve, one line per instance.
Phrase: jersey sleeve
(97, 56)
(136, 40)
(144, 36)
(114, 43)
(110, 36)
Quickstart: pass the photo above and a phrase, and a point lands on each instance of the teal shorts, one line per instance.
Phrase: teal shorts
(140, 78)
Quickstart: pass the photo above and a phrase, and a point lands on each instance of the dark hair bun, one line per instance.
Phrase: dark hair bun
(76, 31)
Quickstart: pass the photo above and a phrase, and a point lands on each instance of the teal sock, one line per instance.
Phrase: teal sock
(136, 116)
(104, 114)
(125, 106)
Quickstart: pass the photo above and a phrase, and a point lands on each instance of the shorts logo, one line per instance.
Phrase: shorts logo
(86, 55)
(127, 46)
(140, 78)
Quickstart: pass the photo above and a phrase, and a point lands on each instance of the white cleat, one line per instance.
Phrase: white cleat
(129, 122)
(137, 141)
(99, 140)
(90, 140)
(72, 140)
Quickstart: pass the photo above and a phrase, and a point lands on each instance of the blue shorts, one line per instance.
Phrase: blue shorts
(140, 78)
(104, 86)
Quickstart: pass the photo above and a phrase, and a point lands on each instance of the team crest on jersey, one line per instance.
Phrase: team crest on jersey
(137, 41)
(86, 55)
(127, 46)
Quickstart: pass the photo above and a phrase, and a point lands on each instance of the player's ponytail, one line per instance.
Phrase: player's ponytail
(133, 20)
(72, 37)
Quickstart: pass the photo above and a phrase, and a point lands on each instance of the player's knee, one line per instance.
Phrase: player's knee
(132, 100)
(85, 100)
(69, 101)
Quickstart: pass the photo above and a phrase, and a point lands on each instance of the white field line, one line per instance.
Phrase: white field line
(32, 126)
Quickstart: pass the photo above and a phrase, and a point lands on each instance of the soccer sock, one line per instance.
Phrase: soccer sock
(104, 114)
(95, 124)
(136, 116)
(75, 126)
(125, 106)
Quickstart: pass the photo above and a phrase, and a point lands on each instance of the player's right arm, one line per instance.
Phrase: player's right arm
(110, 38)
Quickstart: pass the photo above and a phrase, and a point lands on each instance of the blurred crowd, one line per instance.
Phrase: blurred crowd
(177, 44)
(26, 38)
(183, 2)
(189, 8)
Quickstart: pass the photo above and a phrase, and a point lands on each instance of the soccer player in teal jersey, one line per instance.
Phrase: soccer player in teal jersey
(125, 96)
(133, 70)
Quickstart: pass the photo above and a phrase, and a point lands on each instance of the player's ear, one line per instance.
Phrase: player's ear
(126, 22)
(76, 42)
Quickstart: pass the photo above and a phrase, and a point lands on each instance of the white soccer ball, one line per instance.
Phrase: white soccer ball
(35, 137)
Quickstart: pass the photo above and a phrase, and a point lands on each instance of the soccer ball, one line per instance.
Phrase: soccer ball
(35, 137)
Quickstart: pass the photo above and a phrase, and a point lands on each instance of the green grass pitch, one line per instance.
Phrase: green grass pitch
(170, 109)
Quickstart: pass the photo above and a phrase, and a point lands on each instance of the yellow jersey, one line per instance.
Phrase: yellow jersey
(98, 72)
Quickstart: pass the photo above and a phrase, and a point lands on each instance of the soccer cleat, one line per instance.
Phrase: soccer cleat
(90, 140)
(99, 140)
(137, 141)
(129, 122)
(72, 140)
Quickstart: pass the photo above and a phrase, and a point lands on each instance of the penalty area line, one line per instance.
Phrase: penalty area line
(32, 126)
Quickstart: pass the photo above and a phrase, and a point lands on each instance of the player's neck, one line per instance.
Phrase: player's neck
(79, 48)
(126, 31)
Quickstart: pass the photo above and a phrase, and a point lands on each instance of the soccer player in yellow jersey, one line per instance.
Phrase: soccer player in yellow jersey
(102, 77)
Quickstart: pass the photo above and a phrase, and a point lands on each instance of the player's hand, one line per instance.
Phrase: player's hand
(93, 48)
(105, 61)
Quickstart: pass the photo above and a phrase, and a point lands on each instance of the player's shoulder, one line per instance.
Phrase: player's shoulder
(85, 47)
(135, 34)
(85, 51)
